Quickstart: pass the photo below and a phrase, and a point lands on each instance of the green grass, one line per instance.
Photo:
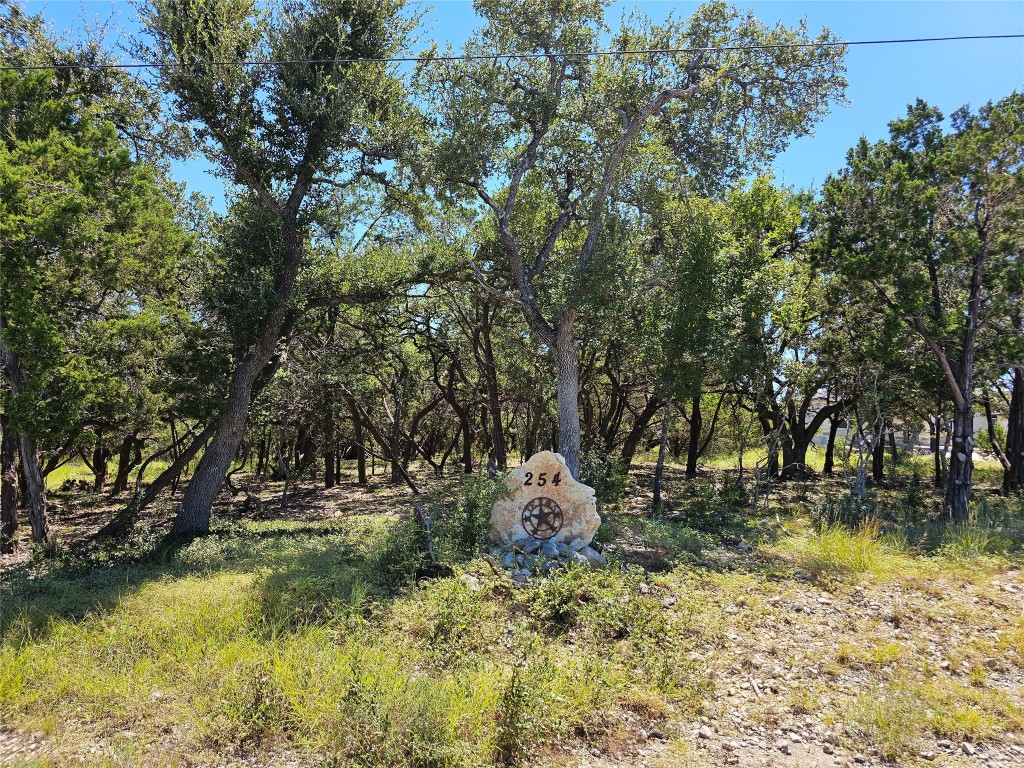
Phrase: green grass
(899, 715)
(834, 550)
(246, 641)
(77, 470)
(312, 636)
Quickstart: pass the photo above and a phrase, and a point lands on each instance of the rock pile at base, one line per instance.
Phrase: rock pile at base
(539, 558)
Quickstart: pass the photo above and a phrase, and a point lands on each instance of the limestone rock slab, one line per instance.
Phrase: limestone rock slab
(545, 504)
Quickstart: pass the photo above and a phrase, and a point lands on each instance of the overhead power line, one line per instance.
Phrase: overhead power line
(427, 58)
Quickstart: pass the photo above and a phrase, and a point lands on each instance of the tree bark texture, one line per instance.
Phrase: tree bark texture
(33, 486)
(8, 488)
(1013, 477)
(830, 448)
(35, 491)
(961, 463)
(124, 465)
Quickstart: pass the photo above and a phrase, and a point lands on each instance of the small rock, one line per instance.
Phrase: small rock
(549, 549)
(927, 755)
(828, 749)
(944, 744)
(744, 547)
(783, 747)
(796, 738)
(593, 557)
(577, 544)
(705, 732)
(991, 663)
(858, 758)
(968, 749)
(519, 577)
(471, 581)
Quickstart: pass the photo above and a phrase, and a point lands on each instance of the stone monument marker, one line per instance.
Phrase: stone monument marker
(547, 516)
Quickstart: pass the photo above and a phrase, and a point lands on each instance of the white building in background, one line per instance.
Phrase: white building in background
(907, 437)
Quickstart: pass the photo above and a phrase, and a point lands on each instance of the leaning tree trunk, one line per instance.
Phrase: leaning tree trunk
(1013, 476)
(33, 486)
(636, 432)
(568, 386)
(35, 491)
(693, 449)
(8, 488)
(194, 513)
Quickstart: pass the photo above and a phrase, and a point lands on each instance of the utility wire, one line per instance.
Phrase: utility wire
(431, 59)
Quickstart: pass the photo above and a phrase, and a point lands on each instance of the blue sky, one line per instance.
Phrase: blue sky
(882, 79)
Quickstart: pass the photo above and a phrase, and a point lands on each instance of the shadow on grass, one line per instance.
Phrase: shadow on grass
(302, 574)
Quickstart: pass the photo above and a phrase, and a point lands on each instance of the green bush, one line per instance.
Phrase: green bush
(394, 557)
(463, 514)
(604, 474)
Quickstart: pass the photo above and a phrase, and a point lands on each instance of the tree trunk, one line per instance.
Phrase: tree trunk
(878, 459)
(467, 445)
(993, 438)
(493, 400)
(659, 469)
(124, 465)
(35, 492)
(771, 440)
(937, 451)
(100, 463)
(830, 447)
(696, 425)
(568, 385)
(636, 432)
(1013, 477)
(961, 463)
(330, 446)
(8, 488)
(357, 427)
(894, 453)
(194, 513)
(33, 487)
(395, 441)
